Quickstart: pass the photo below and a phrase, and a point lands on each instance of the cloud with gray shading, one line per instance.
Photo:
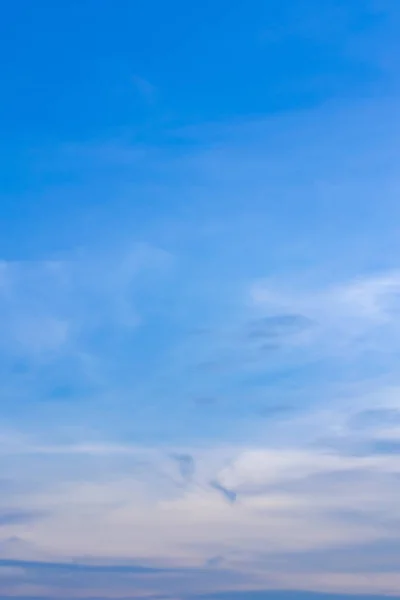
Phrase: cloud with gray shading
(285, 595)
(228, 494)
(205, 401)
(277, 327)
(111, 579)
(372, 418)
(383, 447)
(186, 465)
(275, 410)
(16, 517)
(78, 566)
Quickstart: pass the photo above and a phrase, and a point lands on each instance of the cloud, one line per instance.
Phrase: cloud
(77, 567)
(289, 502)
(65, 324)
(369, 300)
(284, 595)
(46, 303)
(15, 517)
(186, 464)
(349, 320)
(375, 418)
(279, 326)
(229, 495)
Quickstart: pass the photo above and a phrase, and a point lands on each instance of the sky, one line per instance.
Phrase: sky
(199, 300)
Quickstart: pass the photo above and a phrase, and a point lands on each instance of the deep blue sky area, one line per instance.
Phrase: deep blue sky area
(69, 68)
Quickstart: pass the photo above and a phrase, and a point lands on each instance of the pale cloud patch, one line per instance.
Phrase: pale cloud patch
(360, 315)
(47, 306)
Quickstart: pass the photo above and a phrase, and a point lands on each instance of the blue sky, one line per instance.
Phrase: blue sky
(199, 300)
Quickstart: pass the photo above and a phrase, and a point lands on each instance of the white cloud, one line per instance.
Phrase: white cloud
(360, 315)
(295, 495)
(371, 299)
(132, 503)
